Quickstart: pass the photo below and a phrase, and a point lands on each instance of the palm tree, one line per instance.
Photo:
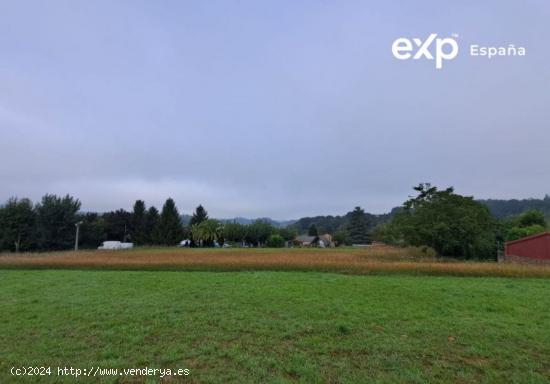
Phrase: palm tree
(207, 232)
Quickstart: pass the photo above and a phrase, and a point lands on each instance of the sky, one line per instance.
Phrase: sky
(277, 109)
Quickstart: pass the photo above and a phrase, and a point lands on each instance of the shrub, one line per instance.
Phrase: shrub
(275, 241)
(341, 237)
(519, 232)
(531, 218)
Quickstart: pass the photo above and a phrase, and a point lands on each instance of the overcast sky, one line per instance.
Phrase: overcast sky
(269, 108)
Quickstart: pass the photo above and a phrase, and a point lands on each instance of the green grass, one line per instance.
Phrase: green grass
(277, 326)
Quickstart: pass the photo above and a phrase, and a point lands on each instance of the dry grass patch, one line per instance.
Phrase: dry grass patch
(348, 260)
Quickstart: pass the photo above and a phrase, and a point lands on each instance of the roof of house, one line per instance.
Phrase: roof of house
(305, 238)
(542, 234)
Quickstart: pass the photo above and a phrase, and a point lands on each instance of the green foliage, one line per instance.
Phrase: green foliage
(234, 232)
(532, 217)
(92, 231)
(207, 232)
(447, 223)
(56, 218)
(117, 225)
(169, 228)
(312, 231)
(17, 221)
(389, 233)
(506, 208)
(519, 232)
(358, 227)
(528, 223)
(341, 237)
(324, 224)
(331, 224)
(275, 241)
(52, 226)
(151, 225)
(199, 216)
(287, 233)
(258, 232)
(451, 224)
(140, 236)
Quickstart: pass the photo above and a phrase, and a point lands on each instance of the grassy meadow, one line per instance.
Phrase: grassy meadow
(278, 327)
(376, 315)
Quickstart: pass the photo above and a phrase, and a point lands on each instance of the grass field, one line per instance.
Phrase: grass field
(277, 326)
(372, 260)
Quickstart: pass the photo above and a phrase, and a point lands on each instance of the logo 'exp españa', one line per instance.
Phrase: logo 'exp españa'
(441, 49)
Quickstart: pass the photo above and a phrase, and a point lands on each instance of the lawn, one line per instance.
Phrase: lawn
(267, 326)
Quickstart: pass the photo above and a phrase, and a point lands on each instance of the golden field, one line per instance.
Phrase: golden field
(345, 260)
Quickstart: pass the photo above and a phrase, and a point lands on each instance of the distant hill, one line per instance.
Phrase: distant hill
(499, 208)
(243, 220)
(331, 224)
(505, 208)
(185, 219)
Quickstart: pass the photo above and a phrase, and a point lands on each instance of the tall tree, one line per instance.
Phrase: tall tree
(234, 232)
(170, 229)
(358, 227)
(118, 225)
(56, 219)
(92, 230)
(17, 219)
(341, 237)
(287, 233)
(259, 231)
(451, 224)
(199, 216)
(312, 231)
(139, 223)
(151, 225)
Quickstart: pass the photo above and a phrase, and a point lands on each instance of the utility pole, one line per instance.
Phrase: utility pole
(77, 225)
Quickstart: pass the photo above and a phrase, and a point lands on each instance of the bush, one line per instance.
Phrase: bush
(532, 218)
(519, 232)
(341, 237)
(275, 241)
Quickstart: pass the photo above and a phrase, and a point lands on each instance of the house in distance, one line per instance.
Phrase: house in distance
(322, 241)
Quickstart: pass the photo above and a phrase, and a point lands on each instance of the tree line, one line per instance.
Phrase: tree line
(354, 227)
(449, 223)
(506, 208)
(49, 225)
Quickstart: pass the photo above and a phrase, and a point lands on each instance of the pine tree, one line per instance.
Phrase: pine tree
(358, 227)
(199, 216)
(151, 226)
(139, 223)
(312, 231)
(170, 230)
